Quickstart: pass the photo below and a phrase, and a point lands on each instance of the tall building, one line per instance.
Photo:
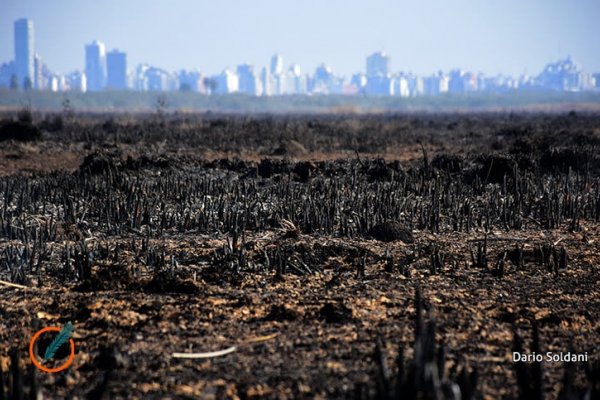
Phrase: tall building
(382, 85)
(268, 85)
(116, 70)
(24, 52)
(191, 81)
(7, 72)
(276, 65)
(321, 80)
(360, 82)
(378, 64)
(248, 80)
(76, 81)
(456, 81)
(415, 85)
(57, 83)
(38, 65)
(226, 82)
(140, 82)
(379, 80)
(401, 86)
(95, 66)
(435, 84)
(296, 81)
(159, 80)
(562, 75)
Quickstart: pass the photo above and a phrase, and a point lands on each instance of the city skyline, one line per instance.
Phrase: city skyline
(506, 37)
(108, 71)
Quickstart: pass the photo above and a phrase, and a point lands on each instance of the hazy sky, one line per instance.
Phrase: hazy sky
(422, 36)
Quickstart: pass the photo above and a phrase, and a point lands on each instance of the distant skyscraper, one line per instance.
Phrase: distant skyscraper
(24, 52)
(401, 86)
(38, 70)
(159, 80)
(7, 72)
(378, 64)
(268, 86)
(415, 84)
(116, 70)
(323, 73)
(76, 81)
(456, 83)
(276, 65)
(226, 82)
(323, 79)
(563, 75)
(379, 80)
(140, 81)
(191, 81)
(296, 82)
(435, 84)
(359, 81)
(95, 66)
(382, 85)
(248, 80)
(291, 82)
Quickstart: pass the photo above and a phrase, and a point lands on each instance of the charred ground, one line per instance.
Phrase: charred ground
(450, 239)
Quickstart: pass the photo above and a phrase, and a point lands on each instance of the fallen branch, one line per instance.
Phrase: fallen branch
(261, 338)
(219, 353)
(209, 354)
(13, 285)
(498, 239)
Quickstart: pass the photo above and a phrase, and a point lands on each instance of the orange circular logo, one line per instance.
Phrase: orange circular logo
(34, 358)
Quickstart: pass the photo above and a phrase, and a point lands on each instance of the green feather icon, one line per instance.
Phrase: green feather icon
(59, 340)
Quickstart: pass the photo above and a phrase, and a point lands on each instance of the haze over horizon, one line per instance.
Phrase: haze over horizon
(492, 37)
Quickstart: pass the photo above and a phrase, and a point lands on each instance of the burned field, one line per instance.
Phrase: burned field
(343, 257)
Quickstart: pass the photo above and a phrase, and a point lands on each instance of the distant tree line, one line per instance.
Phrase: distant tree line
(190, 101)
